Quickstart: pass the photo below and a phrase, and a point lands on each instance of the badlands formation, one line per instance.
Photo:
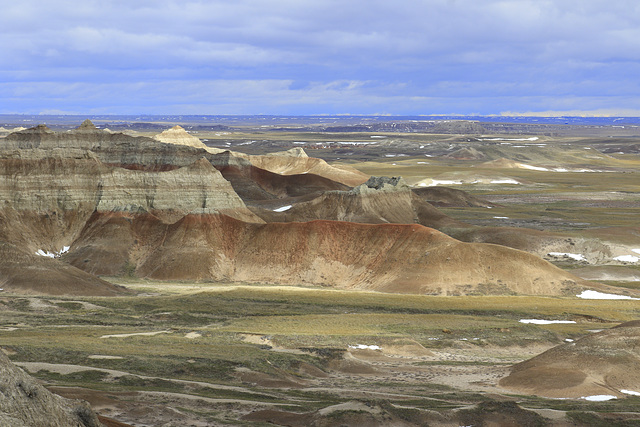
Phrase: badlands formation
(168, 208)
(169, 281)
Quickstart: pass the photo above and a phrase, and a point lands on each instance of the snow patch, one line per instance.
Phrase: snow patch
(600, 295)
(145, 334)
(64, 250)
(283, 208)
(365, 347)
(544, 322)
(501, 217)
(627, 258)
(533, 138)
(505, 181)
(575, 257)
(534, 168)
(599, 398)
(630, 392)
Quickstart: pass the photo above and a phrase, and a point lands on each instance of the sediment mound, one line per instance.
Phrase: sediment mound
(378, 201)
(296, 162)
(500, 163)
(467, 153)
(255, 183)
(25, 273)
(177, 135)
(386, 257)
(450, 197)
(25, 403)
(604, 363)
(577, 250)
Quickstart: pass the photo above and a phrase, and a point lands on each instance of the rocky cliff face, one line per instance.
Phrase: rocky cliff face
(25, 403)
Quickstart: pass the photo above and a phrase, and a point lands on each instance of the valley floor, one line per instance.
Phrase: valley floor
(233, 354)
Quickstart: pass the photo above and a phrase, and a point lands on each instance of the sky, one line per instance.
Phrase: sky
(303, 57)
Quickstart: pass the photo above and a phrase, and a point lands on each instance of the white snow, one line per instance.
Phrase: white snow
(377, 136)
(423, 163)
(533, 138)
(146, 334)
(283, 208)
(568, 340)
(501, 217)
(636, 251)
(435, 182)
(627, 258)
(47, 253)
(64, 250)
(505, 181)
(600, 295)
(576, 257)
(544, 322)
(365, 347)
(534, 168)
(599, 398)
(631, 392)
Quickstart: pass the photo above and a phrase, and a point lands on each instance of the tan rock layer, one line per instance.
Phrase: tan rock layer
(386, 257)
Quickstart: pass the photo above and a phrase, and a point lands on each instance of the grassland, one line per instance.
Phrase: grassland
(201, 349)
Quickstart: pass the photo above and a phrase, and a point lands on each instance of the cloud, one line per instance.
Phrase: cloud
(512, 53)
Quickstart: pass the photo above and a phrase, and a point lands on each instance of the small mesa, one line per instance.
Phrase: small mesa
(544, 322)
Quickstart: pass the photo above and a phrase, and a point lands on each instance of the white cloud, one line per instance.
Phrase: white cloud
(462, 56)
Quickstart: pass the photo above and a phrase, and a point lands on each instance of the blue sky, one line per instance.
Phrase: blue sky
(402, 57)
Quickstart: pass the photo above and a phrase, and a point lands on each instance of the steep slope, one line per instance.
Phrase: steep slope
(25, 403)
(25, 273)
(385, 257)
(254, 183)
(296, 162)
(177, 135)
(604, 363)
(380, 200)
(450, 197)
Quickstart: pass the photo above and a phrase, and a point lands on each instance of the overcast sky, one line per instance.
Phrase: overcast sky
(401, 57)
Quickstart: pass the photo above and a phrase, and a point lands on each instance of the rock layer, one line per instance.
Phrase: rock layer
(25, 403)
(385, 257)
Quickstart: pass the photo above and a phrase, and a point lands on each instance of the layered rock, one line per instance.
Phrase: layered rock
(25, 403)
(177, 135)
(296, 162)
(380, 200)
(387, 257)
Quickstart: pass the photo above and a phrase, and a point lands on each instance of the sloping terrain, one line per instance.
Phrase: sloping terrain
(288, 164)
(385, 257)
(25, 403)
(603, 363)
(380, 200)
